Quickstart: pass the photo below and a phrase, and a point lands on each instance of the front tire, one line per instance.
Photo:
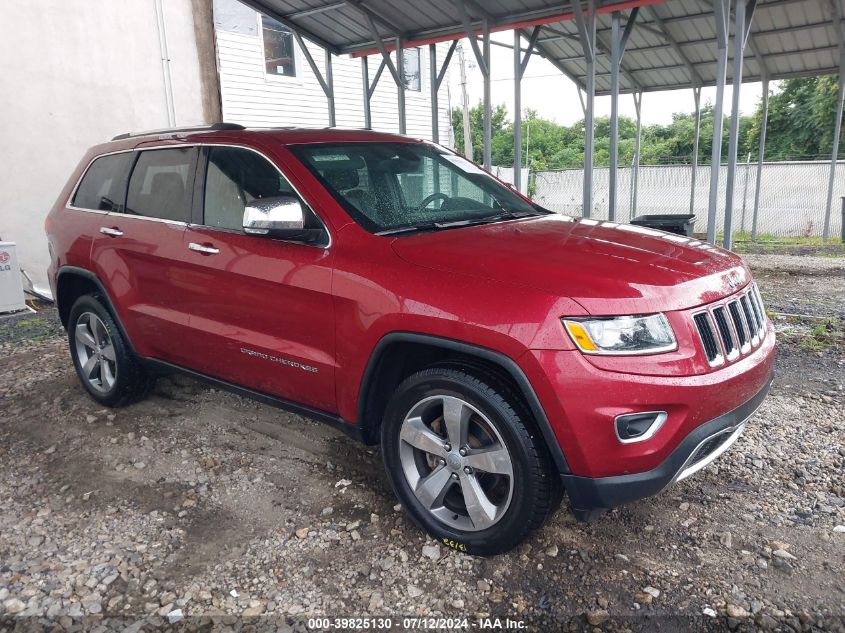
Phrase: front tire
(109, 371)
(463, 458)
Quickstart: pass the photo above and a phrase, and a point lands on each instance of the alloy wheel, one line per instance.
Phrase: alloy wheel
(456, 463)
(95, 351)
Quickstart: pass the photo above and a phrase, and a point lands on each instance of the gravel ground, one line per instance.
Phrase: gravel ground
(202, 504)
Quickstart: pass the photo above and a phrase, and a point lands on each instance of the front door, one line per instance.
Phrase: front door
(262, 314)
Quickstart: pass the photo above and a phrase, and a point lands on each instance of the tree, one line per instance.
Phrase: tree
(801, 124)
(801, 120)
(501, 132)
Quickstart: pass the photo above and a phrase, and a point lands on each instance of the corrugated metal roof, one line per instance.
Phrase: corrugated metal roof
(672, 44)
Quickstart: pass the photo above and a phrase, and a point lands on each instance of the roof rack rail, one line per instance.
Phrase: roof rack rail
(200, 128)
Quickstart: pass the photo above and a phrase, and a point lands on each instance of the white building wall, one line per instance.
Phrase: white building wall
(74, 73)
(253, 98)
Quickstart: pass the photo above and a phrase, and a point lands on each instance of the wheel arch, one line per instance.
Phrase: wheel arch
(71, 283)
(398, 354)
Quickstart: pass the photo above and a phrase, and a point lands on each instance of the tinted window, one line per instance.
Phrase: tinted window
(234, 178)
(161, 184)
(103, 187)
(389, 186)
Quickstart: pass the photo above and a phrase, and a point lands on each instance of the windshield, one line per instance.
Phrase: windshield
(393, 187)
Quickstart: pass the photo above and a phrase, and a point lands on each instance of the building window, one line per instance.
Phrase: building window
(411, 68)
(279, 56)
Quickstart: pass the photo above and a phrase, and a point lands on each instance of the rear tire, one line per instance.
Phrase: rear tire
(111, 374)
(465, 461)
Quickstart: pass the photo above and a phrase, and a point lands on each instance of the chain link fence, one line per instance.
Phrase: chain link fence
(793, 195)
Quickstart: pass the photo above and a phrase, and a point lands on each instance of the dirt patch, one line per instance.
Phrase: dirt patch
(203, 501)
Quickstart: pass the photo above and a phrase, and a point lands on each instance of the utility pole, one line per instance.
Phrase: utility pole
(465, 101)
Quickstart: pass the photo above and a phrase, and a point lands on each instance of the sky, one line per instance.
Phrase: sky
(555, 97)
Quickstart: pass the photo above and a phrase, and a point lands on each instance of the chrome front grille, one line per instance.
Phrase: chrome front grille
(731, 328)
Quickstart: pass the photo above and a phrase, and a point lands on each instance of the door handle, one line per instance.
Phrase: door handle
(200, 248)
(110, 232)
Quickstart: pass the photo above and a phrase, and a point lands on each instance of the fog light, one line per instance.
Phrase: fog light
(638, 427)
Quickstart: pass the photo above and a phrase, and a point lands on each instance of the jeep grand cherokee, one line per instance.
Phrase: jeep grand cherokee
(500, 354)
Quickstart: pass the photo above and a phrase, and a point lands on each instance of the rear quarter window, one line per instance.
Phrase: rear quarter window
(103, 187)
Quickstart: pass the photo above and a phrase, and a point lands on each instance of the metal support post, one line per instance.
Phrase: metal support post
(365, 76)
(519, 66)
(400, 85)
(517, 111)
(395, 69)
(761, 153)
(330, 93)
(432, 77)
(743, 14)
(327, 82)
(488, 106)
(721, 10)
(696, 95)
(837, 128)
(482, 58)
(635, 168)
(619, 39)
(587, 36)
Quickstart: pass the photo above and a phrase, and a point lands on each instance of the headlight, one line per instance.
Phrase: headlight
(621, 335)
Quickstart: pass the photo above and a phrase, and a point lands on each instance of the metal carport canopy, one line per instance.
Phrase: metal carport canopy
(662, 45)
(672, 44)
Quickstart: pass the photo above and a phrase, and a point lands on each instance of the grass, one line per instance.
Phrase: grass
(30, 328)
(813, 335)
(823, 336)
(769, 243)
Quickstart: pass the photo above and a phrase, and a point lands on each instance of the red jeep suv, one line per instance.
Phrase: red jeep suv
(500, 354)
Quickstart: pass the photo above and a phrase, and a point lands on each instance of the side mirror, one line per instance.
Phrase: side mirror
(281, 217)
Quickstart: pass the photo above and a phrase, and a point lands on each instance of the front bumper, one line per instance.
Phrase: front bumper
(590, 496)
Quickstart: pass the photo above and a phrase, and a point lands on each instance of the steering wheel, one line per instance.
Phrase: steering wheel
(429, 199)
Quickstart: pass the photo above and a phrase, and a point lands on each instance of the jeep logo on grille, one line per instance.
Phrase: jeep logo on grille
(733, 280)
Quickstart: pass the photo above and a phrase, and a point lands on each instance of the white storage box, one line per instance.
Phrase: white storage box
(11, 285)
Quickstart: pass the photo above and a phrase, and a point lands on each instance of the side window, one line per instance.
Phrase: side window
(161, 184)
(234, 178)
(103, 187)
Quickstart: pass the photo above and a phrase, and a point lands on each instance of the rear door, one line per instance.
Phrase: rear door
(100, 192)
(139, 252)
(262, 314)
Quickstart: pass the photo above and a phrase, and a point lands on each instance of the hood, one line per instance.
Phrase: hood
(641, 269)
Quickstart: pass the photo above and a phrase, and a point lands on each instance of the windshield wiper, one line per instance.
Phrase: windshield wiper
(433, 226)
(505, 214)
(510, 214)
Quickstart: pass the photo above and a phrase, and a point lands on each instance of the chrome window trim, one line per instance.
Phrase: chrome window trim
(68, 204)
(288, 180)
